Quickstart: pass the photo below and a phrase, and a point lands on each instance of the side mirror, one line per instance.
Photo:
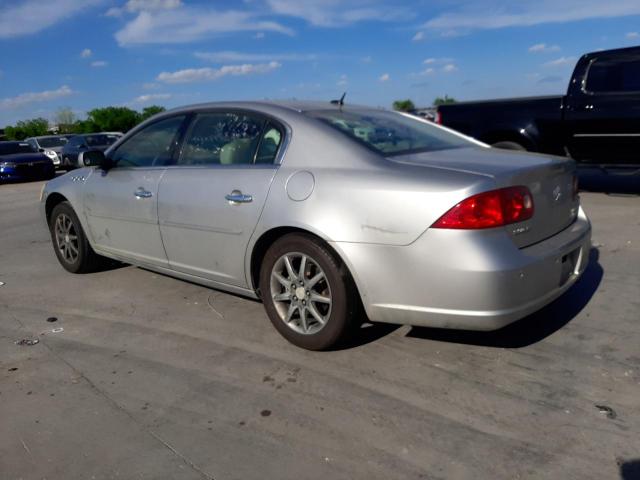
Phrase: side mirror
(95, 158)
(41, 150)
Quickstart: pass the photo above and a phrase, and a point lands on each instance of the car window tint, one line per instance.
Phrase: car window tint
(150, 146)
(221, 138)
(269, 144)
(614, 75)
(389, 133)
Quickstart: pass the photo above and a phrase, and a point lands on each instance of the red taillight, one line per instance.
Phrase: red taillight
(489, 209)
(438, 117)
(575, 187)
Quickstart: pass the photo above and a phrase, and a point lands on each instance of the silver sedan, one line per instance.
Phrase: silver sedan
(330, 214)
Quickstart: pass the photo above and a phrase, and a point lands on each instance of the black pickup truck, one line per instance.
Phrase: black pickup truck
(597, 121)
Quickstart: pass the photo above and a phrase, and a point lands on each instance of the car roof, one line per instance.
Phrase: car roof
(299, 106)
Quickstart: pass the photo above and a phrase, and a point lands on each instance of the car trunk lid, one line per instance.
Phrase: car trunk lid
(549, 179)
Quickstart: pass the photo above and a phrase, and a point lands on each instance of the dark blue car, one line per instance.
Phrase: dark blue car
(19, 161)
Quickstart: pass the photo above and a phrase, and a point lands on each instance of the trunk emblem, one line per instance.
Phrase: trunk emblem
(557, 193)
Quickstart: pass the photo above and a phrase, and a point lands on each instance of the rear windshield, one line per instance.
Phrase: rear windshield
(10, 148)
(99, 140)
(390, 133)
(52, 142)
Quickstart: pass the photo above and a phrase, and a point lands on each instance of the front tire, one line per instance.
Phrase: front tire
(70, 242)
(308, 293)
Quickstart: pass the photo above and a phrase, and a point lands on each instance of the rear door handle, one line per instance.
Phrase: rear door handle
(142, 193)
(237, 196)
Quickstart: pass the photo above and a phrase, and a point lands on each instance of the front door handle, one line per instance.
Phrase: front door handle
(237, 197)
(142, 193)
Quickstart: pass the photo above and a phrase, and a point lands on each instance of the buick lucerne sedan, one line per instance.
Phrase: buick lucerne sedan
(329, 214)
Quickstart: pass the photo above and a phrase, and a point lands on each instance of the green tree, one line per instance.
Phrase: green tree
(150, 111)
(27, 128)
(404, 105)
(65, 119)
(446, 100)
(112, 119)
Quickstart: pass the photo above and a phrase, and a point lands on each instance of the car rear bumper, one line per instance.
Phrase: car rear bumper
(476, 280)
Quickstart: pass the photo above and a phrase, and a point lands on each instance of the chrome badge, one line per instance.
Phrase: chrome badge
(557, 193)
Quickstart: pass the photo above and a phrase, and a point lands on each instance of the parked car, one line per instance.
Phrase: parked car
(50, 145)
(84, 142)
(19, 161)
(597, 120)
(318, 209)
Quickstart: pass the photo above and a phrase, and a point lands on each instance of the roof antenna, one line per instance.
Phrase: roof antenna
(339, 102)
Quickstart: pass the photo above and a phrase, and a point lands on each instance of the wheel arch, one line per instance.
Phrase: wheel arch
(268, 237)
(53, 199)
(510, 136)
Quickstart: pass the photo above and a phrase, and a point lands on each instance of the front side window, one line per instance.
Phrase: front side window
(389, 133)
(101, 140)
(614, 75)
(151, 146)
(222, 138)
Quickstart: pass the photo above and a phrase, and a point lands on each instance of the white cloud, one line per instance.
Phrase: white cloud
(99, 63)
(561, 62)
(336, 13)
(133, 6)
(367, 59)
(418, 36)
(190, 75)
(432, 61)
(259, 35)
(543, 48)
(19, 18)
(384, 77)
(185, 24)
(473, 15)
(151, 97)
(342, 81)
(632, 35)
(438, 65)
(231, 56)
(33, 97)
(86, 53)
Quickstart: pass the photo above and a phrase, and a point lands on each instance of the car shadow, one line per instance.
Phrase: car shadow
(630, 470)
(611, 181)
(533, 328)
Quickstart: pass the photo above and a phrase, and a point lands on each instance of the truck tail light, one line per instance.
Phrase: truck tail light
(438, 117)
(489, 209)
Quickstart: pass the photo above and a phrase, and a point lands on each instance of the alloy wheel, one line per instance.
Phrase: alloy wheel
(67, 238)
(301, 293)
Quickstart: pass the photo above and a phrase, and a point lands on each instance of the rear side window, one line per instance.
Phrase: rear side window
(389, 133)
(151, 146)
(222, 138)
(614, 75)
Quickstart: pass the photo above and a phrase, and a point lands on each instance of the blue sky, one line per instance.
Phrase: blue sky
(90, 53)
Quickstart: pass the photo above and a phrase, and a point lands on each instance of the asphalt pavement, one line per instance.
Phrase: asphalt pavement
(142, 376)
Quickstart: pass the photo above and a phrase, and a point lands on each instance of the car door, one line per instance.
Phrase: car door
(121, 204)
(209, 202)
(603, 117)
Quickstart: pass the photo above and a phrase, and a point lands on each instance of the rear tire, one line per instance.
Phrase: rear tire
(70, 242)
(313, 303)
(509, 146)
